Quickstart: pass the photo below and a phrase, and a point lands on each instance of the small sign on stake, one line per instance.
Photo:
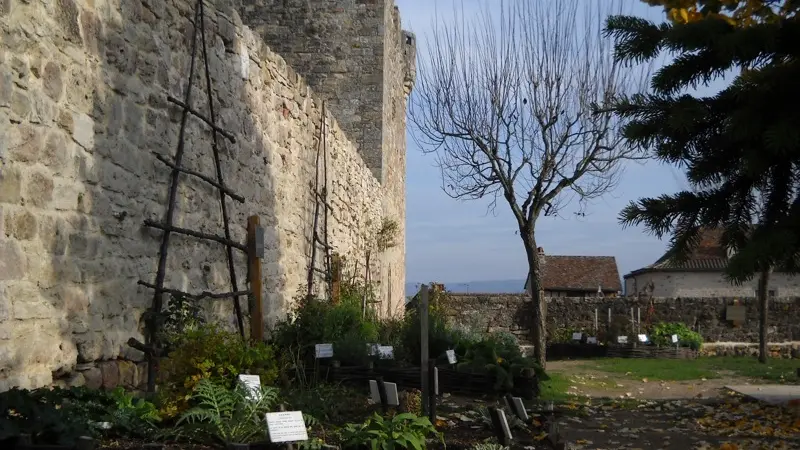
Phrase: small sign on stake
(252, 385)
(516, 406)
(642, 338)
(286, 426)
(391, 393)
(577, 336)
(622, 339)
(451, 357)
(386, 352)
(323, 351)
(591, 340)
(674, 338)
(500, 425)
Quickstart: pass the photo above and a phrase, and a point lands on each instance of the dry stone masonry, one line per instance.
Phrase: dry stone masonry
(83, 88)
(514, 312)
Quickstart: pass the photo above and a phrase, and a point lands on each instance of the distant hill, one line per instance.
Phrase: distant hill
(488, 287)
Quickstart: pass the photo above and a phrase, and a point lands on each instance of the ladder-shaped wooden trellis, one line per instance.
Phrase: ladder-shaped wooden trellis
(319, 234)
(154, 349)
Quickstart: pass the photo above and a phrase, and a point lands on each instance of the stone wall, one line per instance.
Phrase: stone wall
(512, 312)
(83, 88)
(355, 55)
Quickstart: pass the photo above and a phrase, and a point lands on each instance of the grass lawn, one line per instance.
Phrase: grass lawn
(694, 369)
(555, 388)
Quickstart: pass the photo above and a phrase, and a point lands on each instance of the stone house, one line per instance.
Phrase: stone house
(578, 276)
(701, 275)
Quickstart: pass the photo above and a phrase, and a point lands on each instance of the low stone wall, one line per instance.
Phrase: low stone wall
(785, 350)
(513, 313)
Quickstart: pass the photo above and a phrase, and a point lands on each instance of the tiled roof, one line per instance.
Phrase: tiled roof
(580, 273)
(709, 255)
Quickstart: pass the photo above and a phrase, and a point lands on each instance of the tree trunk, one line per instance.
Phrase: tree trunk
(763, 304)
(538, 325)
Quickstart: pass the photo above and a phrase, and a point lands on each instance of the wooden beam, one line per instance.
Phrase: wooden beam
(254, 274)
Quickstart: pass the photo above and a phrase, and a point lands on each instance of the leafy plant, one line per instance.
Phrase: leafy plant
(662, 332)
(132, 415)
(402, 431)
(488, 446)
(209, 352)
(328, 402)
(227, 415)
(59, 416)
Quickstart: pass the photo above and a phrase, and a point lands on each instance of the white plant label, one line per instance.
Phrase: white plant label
(577, 336)
(286, 426)
(642, 338)
(386, 352)
(591, 340)
(323, 351)
(622, 339)
(674, 338)
(252, 384)
(451, 356)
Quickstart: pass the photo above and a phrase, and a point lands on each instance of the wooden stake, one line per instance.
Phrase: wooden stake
(336, 278)
(423, 329)
(254, 255)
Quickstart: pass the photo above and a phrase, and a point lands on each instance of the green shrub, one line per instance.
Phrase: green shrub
(662, 332)
(59, 416)
(209, 352)
(403, 431)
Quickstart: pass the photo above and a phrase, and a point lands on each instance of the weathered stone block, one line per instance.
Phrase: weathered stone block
(10, 186)
(67, 18)
(21, 225)
(26, 143)
(92, 32)
(27, 303)
(39, 189)
(110, 373)
(52, 83)
(83, 131)
(93, 378)
(20, 105)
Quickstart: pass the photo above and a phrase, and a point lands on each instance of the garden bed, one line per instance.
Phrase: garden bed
(450, 380)
(648, 351)
(578, 351)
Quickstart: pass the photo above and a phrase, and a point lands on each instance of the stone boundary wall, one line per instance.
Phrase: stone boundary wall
(513, 312)
(83, 88)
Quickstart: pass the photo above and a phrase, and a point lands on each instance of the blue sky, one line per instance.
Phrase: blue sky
(457, 241)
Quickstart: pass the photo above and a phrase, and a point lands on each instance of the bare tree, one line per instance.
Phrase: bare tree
(513, 108)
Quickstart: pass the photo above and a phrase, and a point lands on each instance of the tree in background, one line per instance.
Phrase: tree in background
(740, 148)
(508, 112)
(735, 12)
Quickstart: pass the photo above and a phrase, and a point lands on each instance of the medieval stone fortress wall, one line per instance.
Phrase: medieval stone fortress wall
(83, 108)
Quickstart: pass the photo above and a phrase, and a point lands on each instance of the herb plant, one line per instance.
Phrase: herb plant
(403, 431)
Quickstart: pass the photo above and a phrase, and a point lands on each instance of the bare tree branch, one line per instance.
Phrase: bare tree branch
(512, 102)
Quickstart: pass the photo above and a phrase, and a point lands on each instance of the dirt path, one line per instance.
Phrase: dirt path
(595, 383)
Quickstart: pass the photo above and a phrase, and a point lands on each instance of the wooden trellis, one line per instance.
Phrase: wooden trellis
(154, 349)
(319, 234)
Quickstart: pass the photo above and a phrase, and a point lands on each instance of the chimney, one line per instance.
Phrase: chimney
(540, 252)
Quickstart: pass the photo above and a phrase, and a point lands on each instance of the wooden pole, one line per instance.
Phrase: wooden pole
(423, 329)
(336, 278)
(255, 251)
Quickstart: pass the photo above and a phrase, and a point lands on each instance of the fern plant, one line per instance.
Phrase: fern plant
(227, 415)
